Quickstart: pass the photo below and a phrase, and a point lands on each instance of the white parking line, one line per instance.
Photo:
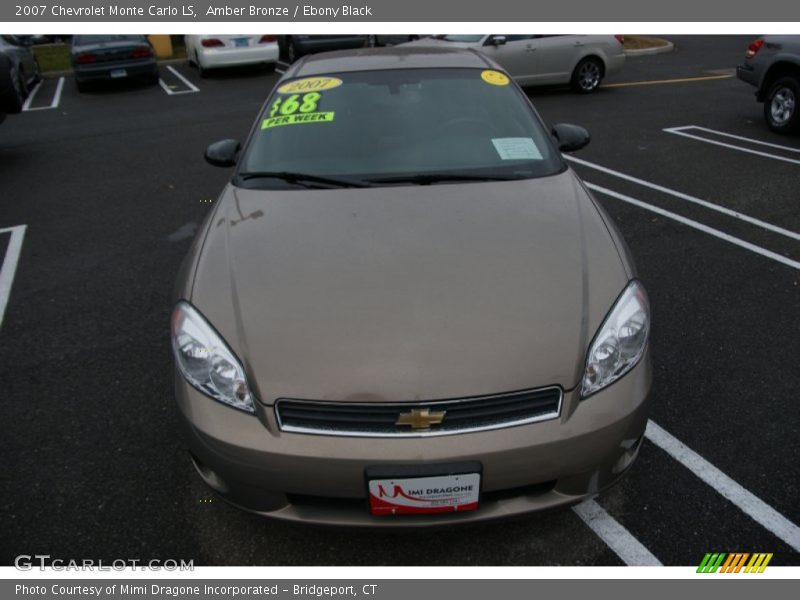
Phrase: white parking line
(164, 86)
(27, 106)
(619, 539)
(281, 66)
(10, 264)
(681, 131)
(704, 228)
(757, 509)
(53, 103)
(737, 137)
(704, 203)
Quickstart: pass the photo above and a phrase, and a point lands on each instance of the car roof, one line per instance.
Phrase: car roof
(396, 57)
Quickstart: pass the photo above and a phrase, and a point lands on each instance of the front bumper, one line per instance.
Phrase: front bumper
(213, 58)
(320, 479)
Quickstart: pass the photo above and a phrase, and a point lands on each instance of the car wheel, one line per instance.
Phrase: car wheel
(23, 88)
(81, 85)
(587, 75)
(201, 70)
(37, 77)
(15, 100)
(291, 52)
(781, 106)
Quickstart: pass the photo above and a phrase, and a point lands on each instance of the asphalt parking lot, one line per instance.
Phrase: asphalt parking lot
(102, 192)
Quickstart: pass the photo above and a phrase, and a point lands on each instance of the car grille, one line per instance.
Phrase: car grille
(381, 419)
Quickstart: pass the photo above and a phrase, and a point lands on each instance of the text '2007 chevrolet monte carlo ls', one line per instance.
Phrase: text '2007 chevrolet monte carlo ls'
(405, 309)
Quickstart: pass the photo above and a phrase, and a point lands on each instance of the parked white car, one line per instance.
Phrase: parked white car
(582, 61)
(217, 51)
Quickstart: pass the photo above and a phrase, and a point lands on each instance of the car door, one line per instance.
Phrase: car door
(515, 55)
(556, 56)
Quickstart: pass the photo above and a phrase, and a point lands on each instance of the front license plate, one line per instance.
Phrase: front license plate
(424, 495)
(116, 73)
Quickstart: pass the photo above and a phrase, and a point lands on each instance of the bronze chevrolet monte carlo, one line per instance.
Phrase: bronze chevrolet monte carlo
(405, 308)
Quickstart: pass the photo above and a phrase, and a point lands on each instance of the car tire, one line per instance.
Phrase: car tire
(82, 86)
(37, 77)
(201, 70)
(587, 75)
(291, 51)
(14, 100)
(23, 84)
(781, 106)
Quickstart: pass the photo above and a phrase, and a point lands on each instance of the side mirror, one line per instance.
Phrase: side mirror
(223, 153)
(570, 137)
(498, 40)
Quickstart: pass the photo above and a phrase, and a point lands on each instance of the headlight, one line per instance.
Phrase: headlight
(205, 360)
(620, 341)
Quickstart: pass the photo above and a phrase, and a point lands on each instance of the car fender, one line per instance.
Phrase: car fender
(591, 51)
(783, 63)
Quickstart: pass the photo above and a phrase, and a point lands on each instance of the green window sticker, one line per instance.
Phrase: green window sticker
(297, 118)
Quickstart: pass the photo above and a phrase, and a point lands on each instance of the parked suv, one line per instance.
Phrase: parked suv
(772, 64)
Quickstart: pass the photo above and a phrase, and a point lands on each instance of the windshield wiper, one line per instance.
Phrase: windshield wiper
(300, 178)
(428, 178)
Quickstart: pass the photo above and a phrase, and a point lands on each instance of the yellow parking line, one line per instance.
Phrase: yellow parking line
(662, 81)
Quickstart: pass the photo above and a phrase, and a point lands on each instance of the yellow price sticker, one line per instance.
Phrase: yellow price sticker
(310, 84)
(494, 77)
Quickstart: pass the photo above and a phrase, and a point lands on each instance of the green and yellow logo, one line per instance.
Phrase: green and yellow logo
(734, 562)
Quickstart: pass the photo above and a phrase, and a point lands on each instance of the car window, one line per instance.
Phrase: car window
(386, 123)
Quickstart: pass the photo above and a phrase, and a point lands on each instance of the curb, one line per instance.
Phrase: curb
(68, 72)
(666, 47)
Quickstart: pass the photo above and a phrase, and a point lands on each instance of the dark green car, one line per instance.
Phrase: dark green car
(111, 57)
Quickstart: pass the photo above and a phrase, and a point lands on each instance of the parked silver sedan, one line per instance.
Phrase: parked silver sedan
(582, 61)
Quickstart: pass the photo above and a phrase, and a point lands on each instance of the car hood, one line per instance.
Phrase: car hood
(408, 292)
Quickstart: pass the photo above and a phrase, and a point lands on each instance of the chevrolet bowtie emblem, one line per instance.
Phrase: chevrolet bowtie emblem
(420, 418)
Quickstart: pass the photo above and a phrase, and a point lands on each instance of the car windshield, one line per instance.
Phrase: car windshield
(466, 39)
(388, 127)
